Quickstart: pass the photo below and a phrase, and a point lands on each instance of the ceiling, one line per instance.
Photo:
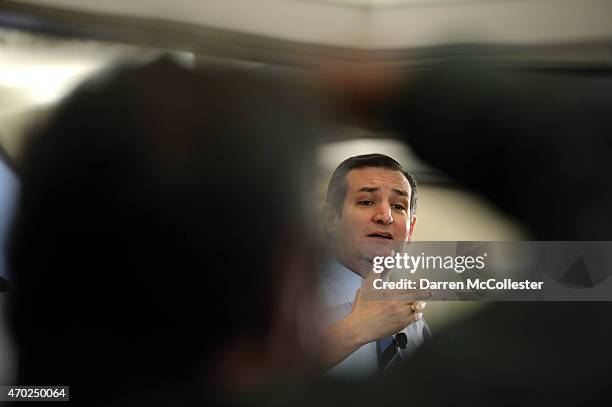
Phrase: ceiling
(398, 3)
(370, 24)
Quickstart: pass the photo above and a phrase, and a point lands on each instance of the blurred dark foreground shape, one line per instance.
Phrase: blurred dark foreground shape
(161, 249)
(538, 145)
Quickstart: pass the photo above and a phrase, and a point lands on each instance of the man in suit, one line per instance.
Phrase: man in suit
(370, 211)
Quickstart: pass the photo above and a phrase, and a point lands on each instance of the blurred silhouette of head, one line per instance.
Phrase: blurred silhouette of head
(160, 207)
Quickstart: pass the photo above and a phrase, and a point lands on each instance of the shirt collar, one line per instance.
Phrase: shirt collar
(345, 281)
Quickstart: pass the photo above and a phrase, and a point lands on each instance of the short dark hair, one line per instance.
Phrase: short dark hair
(336, 190)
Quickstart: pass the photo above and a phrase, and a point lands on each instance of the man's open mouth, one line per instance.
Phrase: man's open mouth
(381, 235)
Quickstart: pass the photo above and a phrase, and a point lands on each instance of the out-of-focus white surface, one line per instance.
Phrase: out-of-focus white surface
(42, 70)
(36, 72)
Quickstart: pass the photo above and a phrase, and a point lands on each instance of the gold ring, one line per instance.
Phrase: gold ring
(414, 307)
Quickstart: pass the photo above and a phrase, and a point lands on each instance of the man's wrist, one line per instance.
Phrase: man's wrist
(344, 337)
(355, 332)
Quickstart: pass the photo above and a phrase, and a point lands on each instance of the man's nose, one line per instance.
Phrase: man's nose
(383, 215)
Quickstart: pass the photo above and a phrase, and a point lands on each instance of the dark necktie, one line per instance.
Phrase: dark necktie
(387, 349)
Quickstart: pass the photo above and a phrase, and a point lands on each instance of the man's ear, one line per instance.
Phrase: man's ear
(413, 220)
(330, 219)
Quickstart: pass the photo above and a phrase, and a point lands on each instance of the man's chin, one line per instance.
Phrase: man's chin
(381, 248)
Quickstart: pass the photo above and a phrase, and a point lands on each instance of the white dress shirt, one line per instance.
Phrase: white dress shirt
(338, 288)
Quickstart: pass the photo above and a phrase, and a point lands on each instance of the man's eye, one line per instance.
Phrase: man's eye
(399, 207)
(366, 203)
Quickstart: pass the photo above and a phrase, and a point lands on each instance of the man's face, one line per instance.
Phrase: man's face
(375, 217)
